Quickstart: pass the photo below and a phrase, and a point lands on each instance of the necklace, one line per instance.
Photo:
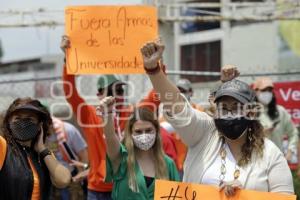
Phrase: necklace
(236, 173)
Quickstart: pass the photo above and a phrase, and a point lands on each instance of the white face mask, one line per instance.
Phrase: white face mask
(144, 141)
(265, 97)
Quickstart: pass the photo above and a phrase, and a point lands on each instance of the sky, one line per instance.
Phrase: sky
(32, 42)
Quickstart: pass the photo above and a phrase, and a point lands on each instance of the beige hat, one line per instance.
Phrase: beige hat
(263, 83)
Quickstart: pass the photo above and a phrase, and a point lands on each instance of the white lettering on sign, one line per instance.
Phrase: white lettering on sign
(294, 94)
(295, 113)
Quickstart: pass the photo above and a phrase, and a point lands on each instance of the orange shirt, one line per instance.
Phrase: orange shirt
(36, 182)
(2, 151)
(93, 133)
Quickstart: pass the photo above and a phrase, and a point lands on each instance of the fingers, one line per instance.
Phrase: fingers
(144, 51)
(77, 178)
(160, 47)
(76, 163)
(230, 188)
(65, 43)
(152, 47)
(105, 105)
(148, 49)
(41, 130)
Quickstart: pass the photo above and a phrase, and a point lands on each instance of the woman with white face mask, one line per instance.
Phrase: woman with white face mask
(274, 118)
(134, 164)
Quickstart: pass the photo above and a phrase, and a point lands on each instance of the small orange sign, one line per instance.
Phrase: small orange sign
(107, 39)
(170, 190)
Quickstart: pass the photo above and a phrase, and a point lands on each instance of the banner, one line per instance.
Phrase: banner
(288, 95)
(170, 190)
(107, 39)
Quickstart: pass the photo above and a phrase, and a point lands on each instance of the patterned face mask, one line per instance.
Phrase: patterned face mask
(144, 141)
(24, 129)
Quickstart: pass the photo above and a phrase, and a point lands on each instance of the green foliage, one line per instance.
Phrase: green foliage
(296, 184)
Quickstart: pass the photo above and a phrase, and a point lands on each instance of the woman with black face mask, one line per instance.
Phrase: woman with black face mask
(228, 150)
(27, 167)
(275, 119)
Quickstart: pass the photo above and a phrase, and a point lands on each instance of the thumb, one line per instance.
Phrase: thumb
(159, 46)
(160, 49)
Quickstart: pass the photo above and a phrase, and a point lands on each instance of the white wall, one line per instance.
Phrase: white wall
(253, 48)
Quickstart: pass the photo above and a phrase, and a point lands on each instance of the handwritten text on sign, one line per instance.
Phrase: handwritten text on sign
(107, 39)
(170, 190)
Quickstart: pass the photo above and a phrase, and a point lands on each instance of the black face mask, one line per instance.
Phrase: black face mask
(232, 128)
(24, 130)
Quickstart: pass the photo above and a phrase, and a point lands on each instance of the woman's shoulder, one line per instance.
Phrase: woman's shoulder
(282, 111)
(169, 161)
(3, 143)
(3, 149)
(270, 149)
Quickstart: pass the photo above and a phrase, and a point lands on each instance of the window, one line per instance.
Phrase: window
(201, 57)
(247, 0)
(189, 27)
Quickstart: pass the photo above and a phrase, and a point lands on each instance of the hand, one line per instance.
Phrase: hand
(211, 100)
(230, 188)
(65, 43)
(39, 145)
(152, 52)
(81, 176)
(77, 164)
(229, 72)
(106, 105)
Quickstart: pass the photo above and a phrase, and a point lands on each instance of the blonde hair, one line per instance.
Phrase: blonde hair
(161, 170)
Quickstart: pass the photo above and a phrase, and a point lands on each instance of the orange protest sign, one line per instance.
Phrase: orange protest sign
(170, 190)
(107, 39)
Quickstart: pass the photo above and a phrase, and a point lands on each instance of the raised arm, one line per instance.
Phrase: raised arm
(168, 92)
(72, 96)
(60, 175)
(112, 141)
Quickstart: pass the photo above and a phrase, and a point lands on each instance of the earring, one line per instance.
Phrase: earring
(250, 135)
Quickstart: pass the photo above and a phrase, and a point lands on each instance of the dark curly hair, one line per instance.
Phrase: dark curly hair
(45, 118)
(254, 143)
(272, 108)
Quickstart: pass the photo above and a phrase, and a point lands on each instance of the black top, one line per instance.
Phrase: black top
(16, 176)
(149, 180)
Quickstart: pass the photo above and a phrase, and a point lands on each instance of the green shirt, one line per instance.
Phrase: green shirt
(121, 189)
(284, 127)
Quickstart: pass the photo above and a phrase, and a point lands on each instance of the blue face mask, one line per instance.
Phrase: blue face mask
(24, 129)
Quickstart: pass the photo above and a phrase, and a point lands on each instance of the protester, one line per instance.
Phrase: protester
(68, 145)
(151, 101)
(275, 119)
(108, 85)
(228, 150)
(185, 87)
(134, 164)
(27, 167)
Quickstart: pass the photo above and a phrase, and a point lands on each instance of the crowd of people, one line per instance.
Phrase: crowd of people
(120, 150)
